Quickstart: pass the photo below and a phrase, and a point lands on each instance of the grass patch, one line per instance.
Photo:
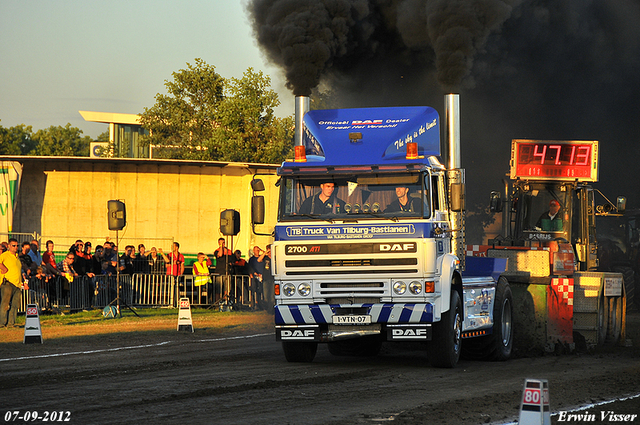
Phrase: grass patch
(152, 322)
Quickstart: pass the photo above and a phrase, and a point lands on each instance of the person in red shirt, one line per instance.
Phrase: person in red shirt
(175, 261)
(49, 260)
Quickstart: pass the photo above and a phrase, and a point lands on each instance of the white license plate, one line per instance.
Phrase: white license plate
(352, 319)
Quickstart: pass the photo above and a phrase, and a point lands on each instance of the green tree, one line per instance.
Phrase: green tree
(60, 141)
(16, 140)
(183, 120)
(248, 129)
(478, 217)
(203, 116)
(103, 137)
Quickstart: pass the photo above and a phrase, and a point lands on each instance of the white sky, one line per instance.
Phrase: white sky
(61, 56)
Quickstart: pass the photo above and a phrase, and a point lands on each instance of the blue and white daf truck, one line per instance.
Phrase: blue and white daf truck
(369, 244)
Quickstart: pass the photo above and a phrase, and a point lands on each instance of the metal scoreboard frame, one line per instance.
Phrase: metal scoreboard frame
(558, 160)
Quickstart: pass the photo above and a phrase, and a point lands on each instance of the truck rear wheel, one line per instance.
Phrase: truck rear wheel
(499, 345)
(367, 346)
(444, 349)
(501, 340)
(299, 352)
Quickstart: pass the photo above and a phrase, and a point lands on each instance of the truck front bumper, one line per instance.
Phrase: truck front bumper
(397, 321)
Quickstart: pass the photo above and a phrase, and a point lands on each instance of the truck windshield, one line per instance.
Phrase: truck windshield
(339, 196)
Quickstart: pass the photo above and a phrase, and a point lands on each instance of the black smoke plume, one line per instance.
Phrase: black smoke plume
(539, 69)
(314, 39)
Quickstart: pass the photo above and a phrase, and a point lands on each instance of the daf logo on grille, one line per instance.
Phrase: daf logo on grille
(397, 247)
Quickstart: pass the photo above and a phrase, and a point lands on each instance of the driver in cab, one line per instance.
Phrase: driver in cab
(324, 202)
(552, 219)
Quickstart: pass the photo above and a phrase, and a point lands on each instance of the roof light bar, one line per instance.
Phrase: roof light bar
(300, 154)
(412, 150)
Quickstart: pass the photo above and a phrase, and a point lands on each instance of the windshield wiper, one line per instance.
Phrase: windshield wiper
(314, 216)
(376, 215)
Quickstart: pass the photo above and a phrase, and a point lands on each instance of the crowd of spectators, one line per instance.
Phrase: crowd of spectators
(81, 261)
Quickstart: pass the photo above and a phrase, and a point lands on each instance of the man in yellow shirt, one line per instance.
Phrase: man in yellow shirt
(11, 287)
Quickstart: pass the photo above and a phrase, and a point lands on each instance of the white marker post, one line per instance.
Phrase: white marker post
(184, 315)
(32, 331)
(534, 409)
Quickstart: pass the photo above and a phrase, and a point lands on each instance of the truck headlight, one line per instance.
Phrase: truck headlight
(289, 289)
(304, 289)
(399, 287)
(415, 287)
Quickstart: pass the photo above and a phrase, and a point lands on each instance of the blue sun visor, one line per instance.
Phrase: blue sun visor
(369, 136)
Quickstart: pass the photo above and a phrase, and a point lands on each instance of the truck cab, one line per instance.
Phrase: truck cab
(366, 247)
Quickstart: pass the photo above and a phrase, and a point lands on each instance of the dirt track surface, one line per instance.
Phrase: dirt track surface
(213, 377)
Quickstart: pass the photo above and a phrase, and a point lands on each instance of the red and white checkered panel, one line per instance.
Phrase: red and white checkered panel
(564, 288)
(477, 250)
(481, 250)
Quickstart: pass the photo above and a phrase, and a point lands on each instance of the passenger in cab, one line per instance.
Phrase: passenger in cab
(324, 202)
(404, 203)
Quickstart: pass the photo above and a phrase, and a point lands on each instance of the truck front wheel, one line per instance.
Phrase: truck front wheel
(299, 352)
(444, 349)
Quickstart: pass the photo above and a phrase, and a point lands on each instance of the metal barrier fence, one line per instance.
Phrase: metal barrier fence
(139, 290)
(153, 290)
(222, 290)
(20, 237)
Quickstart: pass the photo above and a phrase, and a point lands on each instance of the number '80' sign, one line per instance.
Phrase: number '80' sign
(532, 396)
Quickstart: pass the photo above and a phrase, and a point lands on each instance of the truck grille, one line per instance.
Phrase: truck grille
(352, 292)
(342, 266)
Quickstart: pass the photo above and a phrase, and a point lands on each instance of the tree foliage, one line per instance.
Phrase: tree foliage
(53, 141)
(61, 141)
(478, 218)
(204, 116)
(16, 140)
(184, 118)
(248, 129)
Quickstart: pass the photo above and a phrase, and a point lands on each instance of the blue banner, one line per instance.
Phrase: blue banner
(369, 136)
(297, 232)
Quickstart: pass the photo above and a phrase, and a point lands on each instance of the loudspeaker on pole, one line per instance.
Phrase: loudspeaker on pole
(117, 215)
(229, 222)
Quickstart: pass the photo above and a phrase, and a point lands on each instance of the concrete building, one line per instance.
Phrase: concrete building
(124, 133)
(65, 198)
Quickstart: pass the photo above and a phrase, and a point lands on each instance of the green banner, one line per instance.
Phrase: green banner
(10, 174)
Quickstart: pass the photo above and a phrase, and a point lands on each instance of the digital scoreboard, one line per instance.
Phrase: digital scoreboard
(567, 160)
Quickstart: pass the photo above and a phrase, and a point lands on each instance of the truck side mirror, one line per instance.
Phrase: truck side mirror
(457, 197)
(257, 210)
(495, 202)
(621, 204)
(257, 185)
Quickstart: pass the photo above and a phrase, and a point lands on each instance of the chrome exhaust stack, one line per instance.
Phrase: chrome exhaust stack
(452, 128)
(302, 107)
(455, 173)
